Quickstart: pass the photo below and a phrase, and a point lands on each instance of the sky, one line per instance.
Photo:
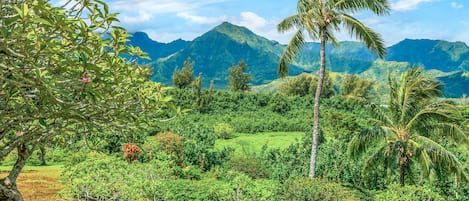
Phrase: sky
(168, 20)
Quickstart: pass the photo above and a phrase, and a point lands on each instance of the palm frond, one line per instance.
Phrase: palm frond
(438, 130)
(432, 115)
(330, 38)
(419, 88)
(441, 157)
(289, 23)
(364, 140)
(378, 156)
(291, 51)
(372, 40)
(422, 156)
(381, 116)
(379, 7)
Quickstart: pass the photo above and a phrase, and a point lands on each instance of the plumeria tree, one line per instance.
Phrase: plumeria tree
(61, 75)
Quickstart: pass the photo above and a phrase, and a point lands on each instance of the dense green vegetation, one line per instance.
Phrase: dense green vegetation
(315, 20)
(69, 99)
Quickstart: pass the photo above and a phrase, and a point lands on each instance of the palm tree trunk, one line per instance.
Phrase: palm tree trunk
(402, 174)
(8, 188)
(317, 100)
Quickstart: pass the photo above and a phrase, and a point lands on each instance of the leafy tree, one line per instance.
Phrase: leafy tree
(61, 78)
(184, 78)
(356, 87)
(201, 98)
(409, 132)
(306, 84)
(319, 20)
(238, 79)
(279, 103)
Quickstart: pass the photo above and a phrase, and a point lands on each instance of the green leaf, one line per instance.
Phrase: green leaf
(19, 11)
(42, 21)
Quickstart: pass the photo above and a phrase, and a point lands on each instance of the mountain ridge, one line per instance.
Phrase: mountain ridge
(223, 46)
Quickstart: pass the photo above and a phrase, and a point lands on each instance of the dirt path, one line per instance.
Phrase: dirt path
(38, 183)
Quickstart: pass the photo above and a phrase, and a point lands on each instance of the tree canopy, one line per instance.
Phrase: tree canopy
(184, 78)
(61, 75)
(239, 79)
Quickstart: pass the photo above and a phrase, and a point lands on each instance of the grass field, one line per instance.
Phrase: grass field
(37, 182)
(252, 143)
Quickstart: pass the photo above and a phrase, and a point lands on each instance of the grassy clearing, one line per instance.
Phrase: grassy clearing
(252, 143)
(37, 182)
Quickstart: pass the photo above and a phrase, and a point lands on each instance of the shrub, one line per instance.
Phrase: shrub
(223, 130)
(131, 152)
(199, 147)
(303, 188)
(279, 103)
(172, 144)
(407, 193)
(249, 165)
(102, 177)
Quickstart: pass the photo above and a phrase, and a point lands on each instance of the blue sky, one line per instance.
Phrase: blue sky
(168, 20)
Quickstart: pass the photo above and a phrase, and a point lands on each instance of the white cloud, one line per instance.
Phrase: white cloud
(261, 26)
(252, 21)
(161, 6)
(147, 9)
(456, 5)
(405, 5)
(140, 18)
(201, 19)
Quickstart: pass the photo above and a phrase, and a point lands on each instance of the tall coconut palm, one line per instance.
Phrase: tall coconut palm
(319, 20)
(407, 132)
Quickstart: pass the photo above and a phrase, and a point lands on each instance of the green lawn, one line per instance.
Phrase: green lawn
(56, 168)
(250, 143)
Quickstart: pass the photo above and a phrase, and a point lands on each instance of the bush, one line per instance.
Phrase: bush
(303, 188)
(223, 130)
(172, 144)
(407, 193)
(249, 165)
(279, 103)
(102, 177)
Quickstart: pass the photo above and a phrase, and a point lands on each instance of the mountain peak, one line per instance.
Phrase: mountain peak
(233, 30)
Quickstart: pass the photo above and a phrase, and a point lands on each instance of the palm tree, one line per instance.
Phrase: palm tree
(408, 131)
(319, 19)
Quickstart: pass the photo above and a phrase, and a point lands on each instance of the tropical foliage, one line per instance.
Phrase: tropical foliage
(319, 20)
(184, 78)
(74, 96)
(61, 80)
(306, 84)
(410, 130)
(239, 79)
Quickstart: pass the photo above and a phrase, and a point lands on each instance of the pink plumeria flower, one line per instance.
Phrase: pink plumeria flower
(85, 79)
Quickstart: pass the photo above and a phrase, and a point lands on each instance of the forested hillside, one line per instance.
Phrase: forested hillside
(226, 44)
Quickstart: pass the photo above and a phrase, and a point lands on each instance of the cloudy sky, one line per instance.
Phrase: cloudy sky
(168, 20)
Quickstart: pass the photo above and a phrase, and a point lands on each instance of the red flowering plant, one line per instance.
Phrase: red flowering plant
(131, 152)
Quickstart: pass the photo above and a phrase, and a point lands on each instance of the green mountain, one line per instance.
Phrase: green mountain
(456, 84)
(223, 46)
(220, 48)
(156, 49)
(432, 54)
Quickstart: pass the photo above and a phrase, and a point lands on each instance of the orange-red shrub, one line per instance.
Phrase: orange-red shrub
(131, 152)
